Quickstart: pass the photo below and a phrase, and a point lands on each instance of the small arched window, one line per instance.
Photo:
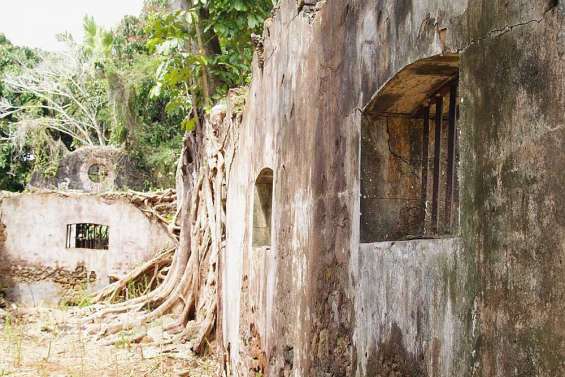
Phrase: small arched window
(262, 208)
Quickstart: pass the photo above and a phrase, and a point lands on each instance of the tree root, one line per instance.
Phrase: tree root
(157, 263)
(190, 285)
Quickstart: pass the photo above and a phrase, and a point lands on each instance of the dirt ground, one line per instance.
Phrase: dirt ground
(49, 342)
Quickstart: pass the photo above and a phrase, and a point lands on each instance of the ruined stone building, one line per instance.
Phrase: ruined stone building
(93, 169)
(80, 237)
(396, 204)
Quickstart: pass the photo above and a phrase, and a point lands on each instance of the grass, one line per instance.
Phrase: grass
(14, 332)
(77, 297)
(47, 342)
(135, 289)
(124, 340)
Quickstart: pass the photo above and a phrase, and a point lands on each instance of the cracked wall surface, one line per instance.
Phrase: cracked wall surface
(484, 303)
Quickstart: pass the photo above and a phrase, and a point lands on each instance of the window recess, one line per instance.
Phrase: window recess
(262, 209)
(88, 236)
(410, 154)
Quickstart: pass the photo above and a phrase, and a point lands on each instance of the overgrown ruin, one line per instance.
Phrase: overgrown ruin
(388, 202)
(53, 242)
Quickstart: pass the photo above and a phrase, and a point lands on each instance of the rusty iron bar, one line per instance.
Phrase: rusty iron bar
(450, 155)
(78, 242)
(78, 237)
(425, 157)
(83, 235)
(68, 241)
(91, 236)
(437, 155)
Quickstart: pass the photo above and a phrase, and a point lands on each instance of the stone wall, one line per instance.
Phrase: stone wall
(36, 266)
(487, 302)
(94, 169)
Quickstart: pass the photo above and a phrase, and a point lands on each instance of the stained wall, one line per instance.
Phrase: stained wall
(485, 302)
(34, 245)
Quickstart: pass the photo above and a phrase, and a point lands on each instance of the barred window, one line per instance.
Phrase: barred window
(409, 155)
(88, 236)
(97, 173)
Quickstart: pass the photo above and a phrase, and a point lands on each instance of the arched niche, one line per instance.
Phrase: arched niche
(409, 154)
(262, 208)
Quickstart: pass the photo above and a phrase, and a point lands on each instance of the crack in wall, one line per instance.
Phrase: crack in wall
(397, 155)
(495, 33)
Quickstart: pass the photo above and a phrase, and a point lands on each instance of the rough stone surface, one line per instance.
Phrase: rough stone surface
(73, 172)
(36, 267)
(489, 303)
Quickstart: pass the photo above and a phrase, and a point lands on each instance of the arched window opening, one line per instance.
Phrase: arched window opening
(262, 209)
(409, 155)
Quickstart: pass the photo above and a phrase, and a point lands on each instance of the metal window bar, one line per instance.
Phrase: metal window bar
(451, 135)
(425, 157)
(437, 166)
(88, 236)
(451, 169)
(69, 233)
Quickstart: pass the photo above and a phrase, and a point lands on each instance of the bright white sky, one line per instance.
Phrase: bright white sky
(35, 23)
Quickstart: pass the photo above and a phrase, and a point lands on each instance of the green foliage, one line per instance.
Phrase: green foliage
(76, 297)
(15, 163)
(234, 22)
(14, 168)
(129, 41)
(208, 44)
(147, 81)
(98, 42)
(148, 126)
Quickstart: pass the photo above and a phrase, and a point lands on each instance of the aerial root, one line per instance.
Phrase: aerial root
(157, 263)
(190, 285)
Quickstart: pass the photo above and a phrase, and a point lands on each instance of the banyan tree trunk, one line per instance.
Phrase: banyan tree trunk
(191, 286)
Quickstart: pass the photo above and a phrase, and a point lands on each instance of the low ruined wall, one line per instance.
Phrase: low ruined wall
(36, 265)
(93, 169)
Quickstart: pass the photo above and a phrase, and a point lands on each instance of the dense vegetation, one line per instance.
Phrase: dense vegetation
(140, 86)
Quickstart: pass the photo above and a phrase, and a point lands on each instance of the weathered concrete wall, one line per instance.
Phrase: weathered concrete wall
(513, 205)
(36, 265)
(117, 172)
(407, 304)
(391, 208)
(486, 304)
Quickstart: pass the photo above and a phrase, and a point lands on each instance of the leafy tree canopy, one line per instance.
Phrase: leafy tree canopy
(140, 86)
